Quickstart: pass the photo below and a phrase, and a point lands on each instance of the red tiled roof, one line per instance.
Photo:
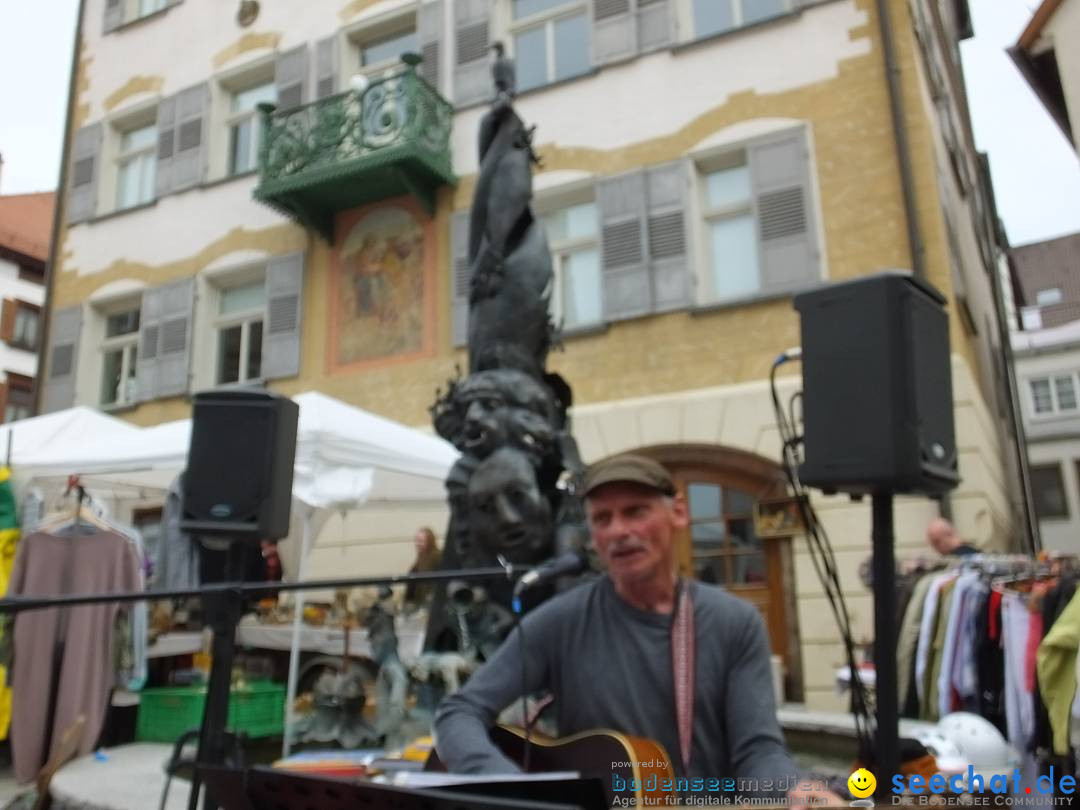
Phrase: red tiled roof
(26, 223)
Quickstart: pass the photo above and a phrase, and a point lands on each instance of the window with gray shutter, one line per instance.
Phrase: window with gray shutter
(666, 230)
(430, 29)
(146, 363)
(290, 76)
(787, 245)
(165, 339)
(459, 278)
(85, 168)
(63, 359)
(284, 309)
(472, 67)
(623, 28)
(626, 284)
(655, 24)
(114, 14)
(190, 147)
(166, 124)
(326, 66)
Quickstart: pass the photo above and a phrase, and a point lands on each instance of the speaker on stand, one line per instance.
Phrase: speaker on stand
(878, 420)
(237, 492)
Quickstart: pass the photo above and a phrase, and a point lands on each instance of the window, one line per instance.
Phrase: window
(386, 49)
(551, 41)
(726, 550)
(1045, 298)
(572, 233)
(1054, 395)
(135, 167)
(119, 354)
(239, 327)
(148, 7)
(731, 233)
(1048, 491)
(243, 126)
(20, 397)
(717, 16)
(25, 324)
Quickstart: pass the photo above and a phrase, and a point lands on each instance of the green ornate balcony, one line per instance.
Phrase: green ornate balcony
(355, 148)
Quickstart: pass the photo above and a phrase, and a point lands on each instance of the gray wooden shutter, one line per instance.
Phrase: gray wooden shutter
(430, 32)
(114, 14)
(614, 30)
(784, 209)
(290, 74)
(666, 187)
(472, 68)
(63, 356)
(655, 24)
(627, 289)
(166, 129)
(326, 66)
(85, 168)
(459, 278)
(189, 159)
(146, 364)
(164, 339)
(284, 308)
(177, 306)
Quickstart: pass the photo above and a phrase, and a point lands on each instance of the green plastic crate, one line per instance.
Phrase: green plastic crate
(165, 713)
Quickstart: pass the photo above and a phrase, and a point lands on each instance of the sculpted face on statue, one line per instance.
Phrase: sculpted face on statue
(503, 407)
(508, 514)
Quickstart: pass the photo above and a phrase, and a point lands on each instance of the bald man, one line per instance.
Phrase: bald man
(941, 535)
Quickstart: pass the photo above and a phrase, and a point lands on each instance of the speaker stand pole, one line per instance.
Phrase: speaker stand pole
(887, 755)
(223, 612)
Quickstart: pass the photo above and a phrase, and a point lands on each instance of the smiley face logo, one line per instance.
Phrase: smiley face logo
(861, 783)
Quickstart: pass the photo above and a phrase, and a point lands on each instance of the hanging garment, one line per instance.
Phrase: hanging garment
(905, 647)
(955, 627)
(64, 655)
(928, 708)
(927, 629)
(9, 538)
(1019, 703)
(176, 566)
(1057, 662)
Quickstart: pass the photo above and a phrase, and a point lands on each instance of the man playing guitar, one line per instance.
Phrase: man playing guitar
(640, 651)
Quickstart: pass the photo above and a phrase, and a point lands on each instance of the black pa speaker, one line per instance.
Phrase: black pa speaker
(877, 387)
(239, 474)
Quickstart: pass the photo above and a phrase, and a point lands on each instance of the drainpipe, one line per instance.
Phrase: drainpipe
(59, 208)
(900, 136)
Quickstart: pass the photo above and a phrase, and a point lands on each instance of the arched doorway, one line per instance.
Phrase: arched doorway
(721, 486)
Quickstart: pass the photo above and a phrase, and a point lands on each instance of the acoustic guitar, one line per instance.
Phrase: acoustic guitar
(629, 768)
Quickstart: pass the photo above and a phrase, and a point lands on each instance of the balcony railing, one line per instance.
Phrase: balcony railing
(355, 148)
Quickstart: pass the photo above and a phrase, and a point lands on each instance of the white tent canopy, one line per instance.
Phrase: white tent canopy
(345, 456)
(56, 433)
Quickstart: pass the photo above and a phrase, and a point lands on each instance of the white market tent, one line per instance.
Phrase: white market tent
(345, 458)
(45, 436)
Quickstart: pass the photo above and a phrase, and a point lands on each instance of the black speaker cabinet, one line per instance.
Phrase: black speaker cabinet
(239, 475)
(877, 387)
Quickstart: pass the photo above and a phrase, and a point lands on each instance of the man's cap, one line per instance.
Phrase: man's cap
(631, 469)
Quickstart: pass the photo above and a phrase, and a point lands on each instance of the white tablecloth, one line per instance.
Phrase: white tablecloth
(129, 777)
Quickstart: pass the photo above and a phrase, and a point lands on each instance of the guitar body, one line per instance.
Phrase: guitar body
(640, 766)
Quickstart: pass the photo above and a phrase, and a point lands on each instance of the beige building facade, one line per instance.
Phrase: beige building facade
(700, 162)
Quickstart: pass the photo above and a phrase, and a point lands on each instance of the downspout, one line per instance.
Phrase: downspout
(900, 136)
(59, 209)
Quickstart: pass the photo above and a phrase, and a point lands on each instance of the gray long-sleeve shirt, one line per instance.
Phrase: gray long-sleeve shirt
(609, 666)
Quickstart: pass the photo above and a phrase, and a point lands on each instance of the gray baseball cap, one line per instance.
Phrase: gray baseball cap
(629, 468)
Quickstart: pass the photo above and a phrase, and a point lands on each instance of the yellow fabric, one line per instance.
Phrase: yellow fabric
(1056, 666)
(9, 538)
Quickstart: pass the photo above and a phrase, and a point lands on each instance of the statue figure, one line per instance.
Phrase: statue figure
(513, 493)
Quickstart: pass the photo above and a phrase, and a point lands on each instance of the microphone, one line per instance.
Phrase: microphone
(568, 564)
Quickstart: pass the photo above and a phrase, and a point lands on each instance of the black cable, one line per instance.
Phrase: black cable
(823, 558)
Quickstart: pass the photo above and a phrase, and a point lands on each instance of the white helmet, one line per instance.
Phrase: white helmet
(949, 758)
(979, 741)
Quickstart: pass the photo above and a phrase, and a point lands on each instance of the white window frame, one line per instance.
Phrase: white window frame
(235, 119)
(548, 19)
(128, 344)
(219, 322)
(569, 198)
(704, 166)
(122, 159)
(224, 87)
(687, 21)
(371, 30)
(1055, 405)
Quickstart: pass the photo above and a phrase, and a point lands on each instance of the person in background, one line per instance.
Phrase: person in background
(428, 558)
(943, 538)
